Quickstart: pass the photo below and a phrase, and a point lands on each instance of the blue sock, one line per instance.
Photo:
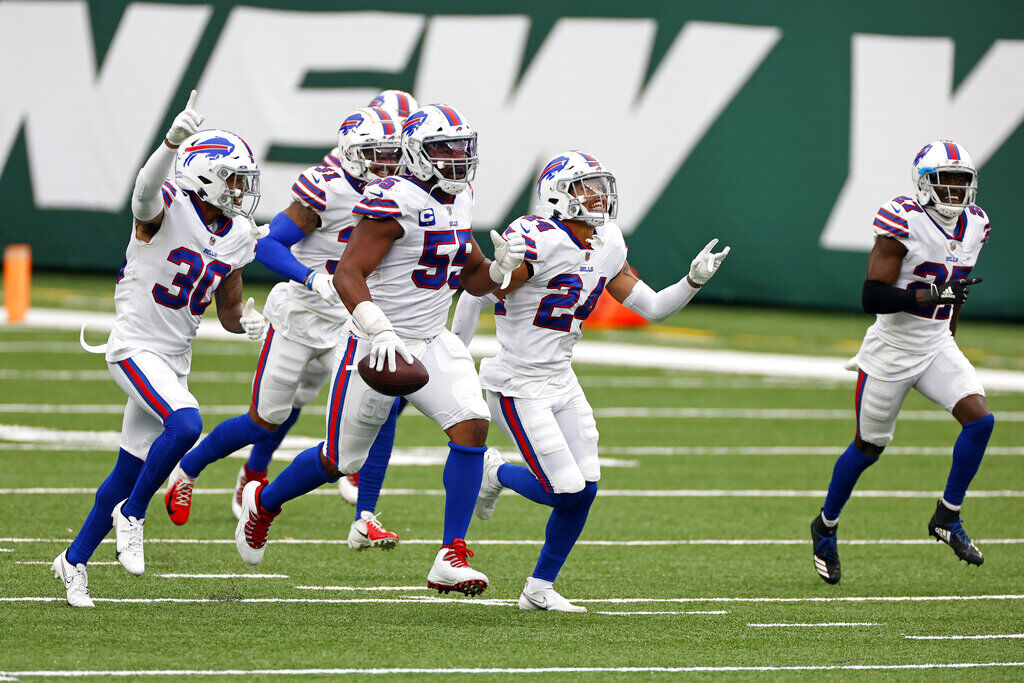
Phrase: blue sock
(304, 474)
(226, 438)
(462, 474)
(564, 526)
(967, 453)
(263, 451)
(844, 476)
(371, 474)
(181, 429)
(112, 491)
(520, 479)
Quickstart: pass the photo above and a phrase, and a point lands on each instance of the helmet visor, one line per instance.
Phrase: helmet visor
(454, 158)
(242, 193)
(382, 159)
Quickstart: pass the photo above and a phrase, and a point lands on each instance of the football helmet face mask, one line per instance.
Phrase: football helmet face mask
(398, 103)
(575, 186)
(219, 167)
(945, 178)
(438, 144)
(368, 144)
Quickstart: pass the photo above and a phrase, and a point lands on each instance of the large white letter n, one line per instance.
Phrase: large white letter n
(902, 98)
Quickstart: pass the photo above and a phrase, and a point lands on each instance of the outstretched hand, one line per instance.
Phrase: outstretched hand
(707, 263)
(186, 123)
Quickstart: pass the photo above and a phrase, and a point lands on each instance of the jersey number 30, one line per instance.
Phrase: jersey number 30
(207, 275)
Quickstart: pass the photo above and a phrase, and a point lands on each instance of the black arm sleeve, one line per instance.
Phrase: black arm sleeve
(879, 297)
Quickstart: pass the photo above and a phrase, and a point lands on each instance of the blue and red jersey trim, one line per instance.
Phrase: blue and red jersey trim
(145, 389)
(568, 231)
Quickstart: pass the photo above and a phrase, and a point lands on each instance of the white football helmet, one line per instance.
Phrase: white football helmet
(935, 166)
(208, 160)
(369, 145)
(575, 186)
(398, 103)
(437, 143)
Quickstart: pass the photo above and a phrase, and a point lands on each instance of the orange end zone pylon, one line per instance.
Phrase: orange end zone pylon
(17, 281)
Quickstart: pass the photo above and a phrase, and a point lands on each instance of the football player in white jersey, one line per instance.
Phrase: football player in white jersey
(410, 250)
(399, 104)
(574, 252)
(306, 316)
(192, 234)
(917, 279)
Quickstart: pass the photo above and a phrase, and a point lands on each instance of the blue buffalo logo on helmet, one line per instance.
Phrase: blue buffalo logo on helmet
(553, 167)
(414, 122)
(212, 148)
(920, 155)
(350, 123)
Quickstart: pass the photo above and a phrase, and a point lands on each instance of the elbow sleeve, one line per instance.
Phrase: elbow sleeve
(146, 198)
(657, 306)
(878, 297)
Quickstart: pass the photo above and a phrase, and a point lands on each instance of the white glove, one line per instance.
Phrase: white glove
(323, 286)
(508, 254)
(252, 321)
(706, 263)
(258, 231)
(186, 123)
(384, 343)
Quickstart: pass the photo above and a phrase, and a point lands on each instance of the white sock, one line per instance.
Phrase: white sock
(533, 585)
(954, 508)
(830, 523)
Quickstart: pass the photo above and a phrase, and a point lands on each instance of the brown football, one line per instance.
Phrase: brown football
(407, 377)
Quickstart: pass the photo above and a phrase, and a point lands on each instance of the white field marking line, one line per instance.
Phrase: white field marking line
(987, 636)
(816, 625)
(531, 542)
(49, 562)
(496, 670)
(6, 550)
(495, 602)
(677, 382)
(773, 414)
(606, 413)
(694, 611)
(792, 450)
(362, 588)
(608, 493)
(223, 576)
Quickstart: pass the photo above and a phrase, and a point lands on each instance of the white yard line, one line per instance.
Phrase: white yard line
(49, 562)
(503, 670)
(496, 602)
(593, 352)
(817, 625)
(695, 611)
(608, 493)
(833, 451)
(531, 542)
(362, 588)
(987, 636)
(104, 375)
(222, 576)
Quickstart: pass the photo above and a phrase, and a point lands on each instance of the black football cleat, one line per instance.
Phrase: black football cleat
(946, 526)
(826, 552)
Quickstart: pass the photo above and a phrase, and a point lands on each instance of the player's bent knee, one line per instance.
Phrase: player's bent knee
(469, 433)
(332, 472)
(872, 450)
(590, 491)
(186, 425)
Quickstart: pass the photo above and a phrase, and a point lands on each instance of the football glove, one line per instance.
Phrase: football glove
(508, 254)
(186, 123)
(384, 343)
(252, 321)
(706, 263)
(952, 292)
(323, 286)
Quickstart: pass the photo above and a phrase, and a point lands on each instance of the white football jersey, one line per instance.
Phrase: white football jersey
(166, 284)
(934, 256)
(417, 278)
(539, 323)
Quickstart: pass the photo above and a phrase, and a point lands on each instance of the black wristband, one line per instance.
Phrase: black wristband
(878, 297)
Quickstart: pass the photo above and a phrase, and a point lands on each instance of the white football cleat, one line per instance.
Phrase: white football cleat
(236, 497)
(76, 581)
(545, 598)
(178, 497)
(367, 532)
(253, 525)
(348, 487)
(490, 488)
(128, 538)
(451, 571)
